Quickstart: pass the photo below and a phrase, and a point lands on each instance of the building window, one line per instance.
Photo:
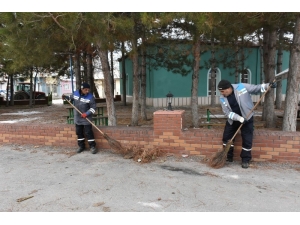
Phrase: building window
(247, 76)
(54, 88)
(66, 86)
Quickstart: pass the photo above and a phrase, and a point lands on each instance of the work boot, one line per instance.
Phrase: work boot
(229, 159)
(93, 150)
(230, 154)
(245, 165)
(80, 149)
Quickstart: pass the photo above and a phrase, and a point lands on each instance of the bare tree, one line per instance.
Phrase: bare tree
(213, 73)
(278, 101)
(77, 70)
(143, 85)
(269, 43)
(123, 75)
(135, 99)
(84, 65)
(111, 111)
(293, 81)
(236, 64)
(195, 82)
(112, 72)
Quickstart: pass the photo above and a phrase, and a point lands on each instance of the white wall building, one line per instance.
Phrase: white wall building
(99, 83)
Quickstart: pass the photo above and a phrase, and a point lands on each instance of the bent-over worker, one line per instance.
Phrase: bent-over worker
(236, 104)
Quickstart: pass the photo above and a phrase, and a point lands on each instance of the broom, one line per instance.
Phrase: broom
(114, 144)
(219, 158)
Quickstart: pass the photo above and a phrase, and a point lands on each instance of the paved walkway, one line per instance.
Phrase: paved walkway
(56, 180)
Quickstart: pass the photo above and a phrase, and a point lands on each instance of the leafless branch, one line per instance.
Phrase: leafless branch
(55, 20)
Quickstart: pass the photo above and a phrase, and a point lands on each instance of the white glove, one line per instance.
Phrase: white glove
(242, 120)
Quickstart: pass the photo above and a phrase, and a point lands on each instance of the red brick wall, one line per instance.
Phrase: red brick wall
(168, 134)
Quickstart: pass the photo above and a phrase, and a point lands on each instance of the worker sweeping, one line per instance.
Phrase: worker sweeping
(237, 106)
(85, 103)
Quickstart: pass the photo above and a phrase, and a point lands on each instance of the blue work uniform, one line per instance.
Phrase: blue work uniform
(85, 104)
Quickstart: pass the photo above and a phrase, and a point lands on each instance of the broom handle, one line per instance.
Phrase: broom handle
(252, 110)
(85, 118)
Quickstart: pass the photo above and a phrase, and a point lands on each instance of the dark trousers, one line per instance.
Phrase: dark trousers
(88, 131)
(247, 138)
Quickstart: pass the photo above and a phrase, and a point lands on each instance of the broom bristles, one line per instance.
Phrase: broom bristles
(219, 158)
(114, 144)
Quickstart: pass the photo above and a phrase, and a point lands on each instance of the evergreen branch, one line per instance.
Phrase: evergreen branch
(55, 20)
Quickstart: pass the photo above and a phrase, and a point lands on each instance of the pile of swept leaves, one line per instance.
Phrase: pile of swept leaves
(139, 154)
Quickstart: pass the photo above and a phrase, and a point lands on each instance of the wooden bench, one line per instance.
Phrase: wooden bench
(256, 125)
(97, 120)
(100, 120)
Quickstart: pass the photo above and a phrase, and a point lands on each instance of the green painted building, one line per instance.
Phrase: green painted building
(159, 81)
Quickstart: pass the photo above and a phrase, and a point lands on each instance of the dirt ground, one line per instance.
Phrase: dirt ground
(57, 112)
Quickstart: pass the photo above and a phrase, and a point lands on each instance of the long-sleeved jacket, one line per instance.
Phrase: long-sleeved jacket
(85, 104)
(242, 92)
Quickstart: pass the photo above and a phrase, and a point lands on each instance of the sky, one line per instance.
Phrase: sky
(146, 6)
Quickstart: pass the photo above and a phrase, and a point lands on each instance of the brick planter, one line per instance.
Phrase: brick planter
(168, 134)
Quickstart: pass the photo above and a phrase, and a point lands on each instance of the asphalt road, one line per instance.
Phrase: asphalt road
(55, 180)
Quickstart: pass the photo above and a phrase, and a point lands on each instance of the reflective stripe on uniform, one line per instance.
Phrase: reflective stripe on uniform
(231, 114)
(85, 100)
(243, 91)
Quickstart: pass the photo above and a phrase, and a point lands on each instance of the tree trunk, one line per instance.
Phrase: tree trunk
(262, 75)
(212, 73)
(112, 73)
(213, 84)
(278, 101)
(135, 100)
(96, 94)
(30, 90)
(195, 83)
(242, 62)
(143, 85)
(269, 68)
(77, 71)
(265, 54)
(90, 75)
(12, 92)
(123, 75)
(85, 77)
(111, 111)
(34, 83)
(293, 81)
(237, 64)
(8, 91)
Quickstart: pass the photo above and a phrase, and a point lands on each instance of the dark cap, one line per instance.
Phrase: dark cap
(224, 84)
(85, 85)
